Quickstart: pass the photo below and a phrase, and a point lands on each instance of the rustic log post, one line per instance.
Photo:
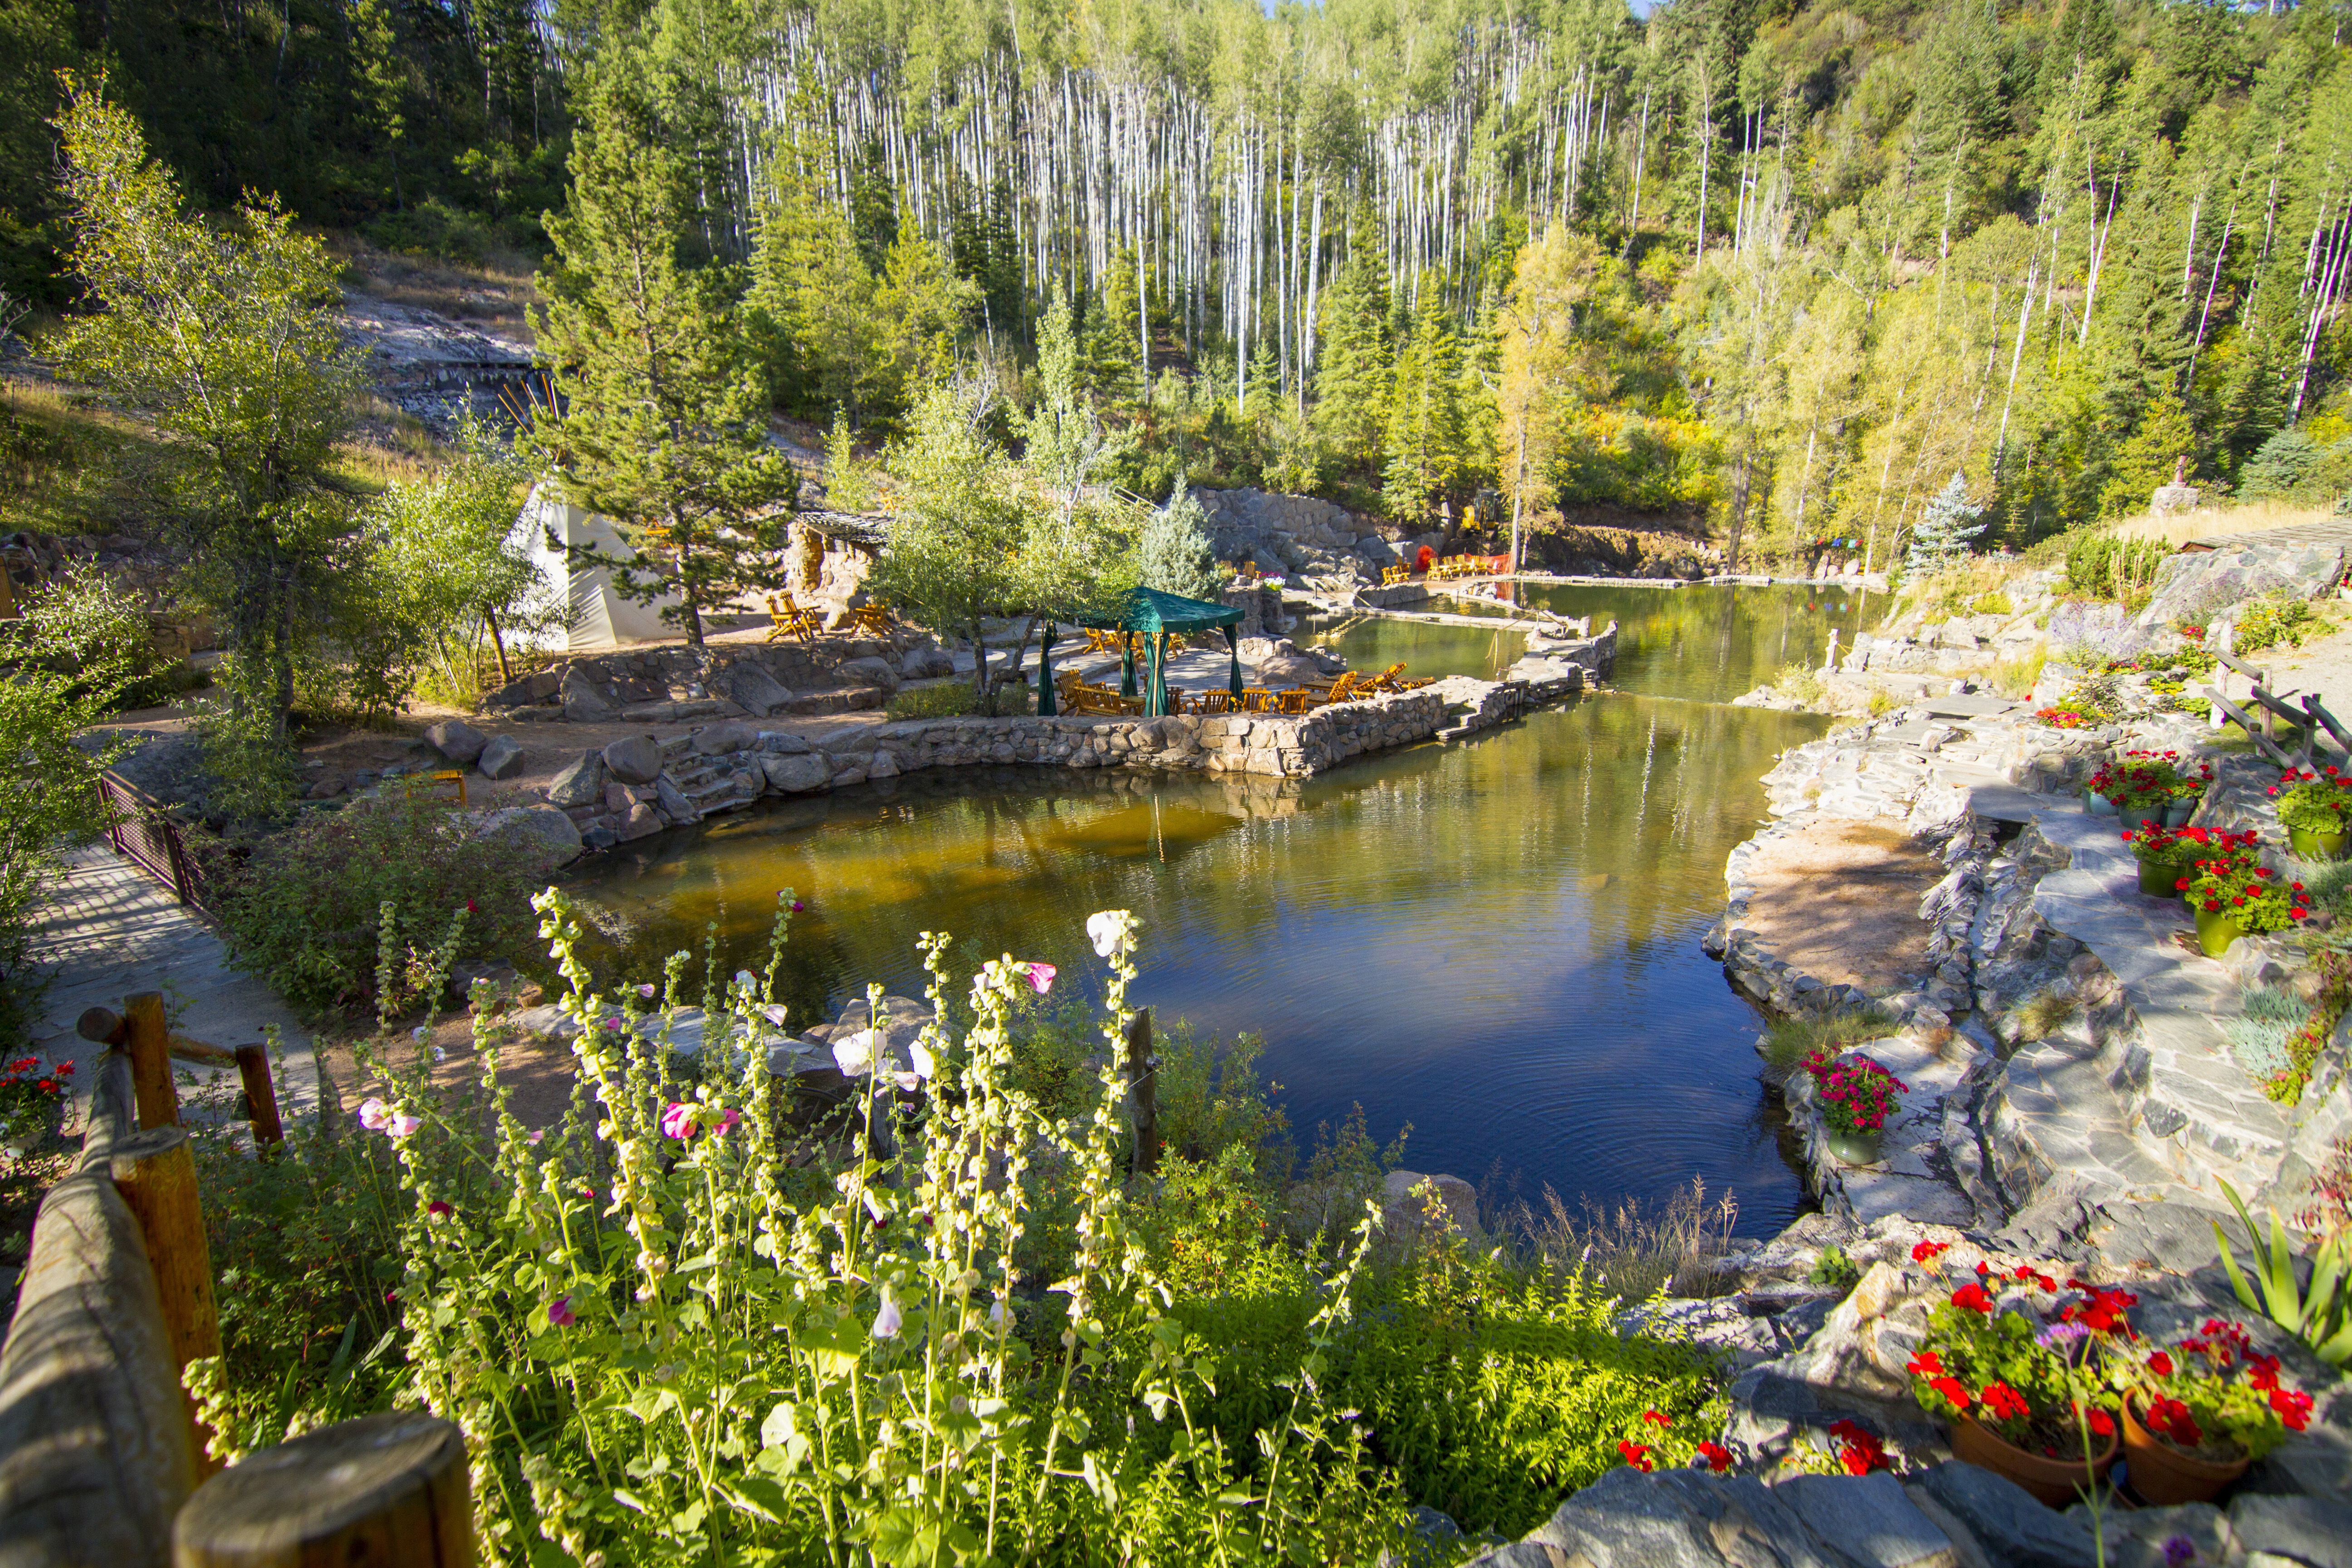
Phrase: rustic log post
(155, 1171)
(1143, 1093)
(252, 1066)
(149, 1043)
(388, 1490)
(94, 1450)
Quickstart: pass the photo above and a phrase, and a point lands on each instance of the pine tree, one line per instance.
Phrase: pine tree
(846, 485)
(1355, 361)
(810, 310)
(1425, 447)
(1113, 351)
(1173, 554)
(2146, 462)
(1945, 529)
(663, 429)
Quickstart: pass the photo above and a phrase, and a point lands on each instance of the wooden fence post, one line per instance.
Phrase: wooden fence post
(388, 1490)
(1143, 1093)
(261, 1097)
(149, 1041)
(155, 1171)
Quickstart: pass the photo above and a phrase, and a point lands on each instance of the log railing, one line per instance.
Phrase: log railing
(100, 1455)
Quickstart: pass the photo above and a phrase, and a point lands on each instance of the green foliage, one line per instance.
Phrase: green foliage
(2015, 678)
(86, 627)
(2258, 1037)
(1992, 604)
(2104, 566)
(1834, 1270)
(848, 486)
(1173, 553)
(2146, 462)
(954, 699)
(1945, 529)
(1494, 1394)
(1427, 447)
(228, 337)
(458, 580)
(2318, 1312)
(664, 427)
(306, 910)
(2277, 617)
(1788, 1040)
(48, 788)
(1801, 683)
(2046, 1012)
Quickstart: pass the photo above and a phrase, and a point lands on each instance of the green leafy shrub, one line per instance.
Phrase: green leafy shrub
(1494, 1394)
(304, 910)
(2102, 566)
(1834, 1270)
(1788, 1041)
(2275, 618)
(1993, 603)
(2014, 678)
(956, 699)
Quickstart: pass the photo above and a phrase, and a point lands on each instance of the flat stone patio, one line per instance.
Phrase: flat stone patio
(106, 931)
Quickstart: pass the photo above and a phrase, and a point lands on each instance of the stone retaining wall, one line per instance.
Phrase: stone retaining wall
(836, 674)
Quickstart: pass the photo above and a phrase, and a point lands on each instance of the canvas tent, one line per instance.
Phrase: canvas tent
(596, 615)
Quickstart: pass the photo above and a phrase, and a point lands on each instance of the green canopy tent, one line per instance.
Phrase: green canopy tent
(1157, 616)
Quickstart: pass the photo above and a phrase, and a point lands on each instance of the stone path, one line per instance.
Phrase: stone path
(107, 932)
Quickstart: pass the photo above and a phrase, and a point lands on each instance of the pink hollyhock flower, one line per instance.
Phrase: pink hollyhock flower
(677, 1120)
(437, 1208)
(373, 1114)
(559, 1312)
(1040, 977)
(401, 1126)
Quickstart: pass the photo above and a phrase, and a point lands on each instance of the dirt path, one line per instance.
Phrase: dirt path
(1839, 900)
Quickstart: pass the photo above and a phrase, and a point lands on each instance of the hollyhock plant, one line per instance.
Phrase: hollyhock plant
(1040, 977)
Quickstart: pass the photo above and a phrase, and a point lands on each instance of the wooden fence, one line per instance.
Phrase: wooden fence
(2264, 710)
(141, 833)
(101, 1460)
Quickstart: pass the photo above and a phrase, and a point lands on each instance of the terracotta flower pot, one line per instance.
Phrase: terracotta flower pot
(2157, 877)
(2164, 1475)
(2216, 929)
(2054, 1481)
(1855, 1148)
(2313, 843)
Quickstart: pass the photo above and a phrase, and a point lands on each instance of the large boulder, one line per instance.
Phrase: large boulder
(927, 663)
(642, 821)
(633, 759)
(868, 672)
(542, 824)
(456, 740)
(716, 740)
(581, 783)
(500, 759)
(2191, 587)
(796, 773)
(750, 687)
(1404, 1207)
(536, 687)
(585, 702)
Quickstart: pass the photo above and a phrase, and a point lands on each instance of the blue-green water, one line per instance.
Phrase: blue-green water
(1494, 942)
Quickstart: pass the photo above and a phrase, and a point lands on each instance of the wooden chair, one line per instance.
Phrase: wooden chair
(1257, 699)
(1218, 701)
(871, 619)
(805, 626)
(780, 611)
(1348, 687)
(1296, 700)
(1391, 576)
(1384, 681)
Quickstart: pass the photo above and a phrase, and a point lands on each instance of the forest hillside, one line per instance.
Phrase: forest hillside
(1782, 270)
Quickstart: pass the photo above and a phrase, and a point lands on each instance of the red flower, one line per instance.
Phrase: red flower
(1953, 1389)
(2003, 1403)
(1974, 1299)
(63, 1070)
(1927, 1364)
(1635, 1455)
(1717, 1456)
(1657, 1419)
(2294, 1407)
(2101, 1423)
(2170, 1418)
(1859, 1449)
(2263, 1372)
(437, 1208)
(2160, 1364)
(1929, 1251)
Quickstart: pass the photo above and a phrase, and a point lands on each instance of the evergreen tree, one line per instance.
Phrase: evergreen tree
(1173, 553)
(1113, 349)
(847, 486)
(1947, 527)
(663, 429)
(810, 311)
(2146, 463)
(1425, 447)
(1355, 361)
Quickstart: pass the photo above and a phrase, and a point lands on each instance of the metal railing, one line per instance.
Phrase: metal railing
(141, 833)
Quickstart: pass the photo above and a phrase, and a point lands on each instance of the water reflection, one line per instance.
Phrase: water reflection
(1495, 941)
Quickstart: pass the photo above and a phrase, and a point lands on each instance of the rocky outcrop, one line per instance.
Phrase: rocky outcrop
(734, 681)
(2191, 586)
(1321, 543)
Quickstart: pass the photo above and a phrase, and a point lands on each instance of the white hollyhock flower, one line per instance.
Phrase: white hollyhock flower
(925, 1066)
(1104, 930)
(854, 1054)
(889, 1320)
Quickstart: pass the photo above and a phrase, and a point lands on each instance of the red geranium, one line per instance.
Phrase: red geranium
(1635, 1455)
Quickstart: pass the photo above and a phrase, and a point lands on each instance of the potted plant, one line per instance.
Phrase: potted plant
(2313, 807)
(2095, 787)
(2163, 856)
(29, 1103)
(2230, 895)
(2018, 1382)
(1856, 1096)
(2185, 793)
(2198, 1412)
(2143, 785)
